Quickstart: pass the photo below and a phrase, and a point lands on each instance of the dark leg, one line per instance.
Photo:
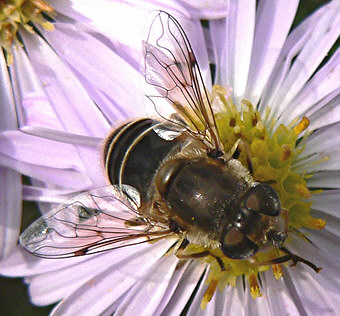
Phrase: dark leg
(290, 256)
(200, 255)
(243, 146)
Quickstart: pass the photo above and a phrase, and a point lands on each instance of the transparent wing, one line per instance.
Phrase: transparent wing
(174, 83)
(92, 222)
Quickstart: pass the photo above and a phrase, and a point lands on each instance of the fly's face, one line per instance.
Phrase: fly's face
(258, 224)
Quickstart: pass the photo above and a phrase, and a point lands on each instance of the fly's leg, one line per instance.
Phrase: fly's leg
(243, 146)
(181, 255)
(291, 256)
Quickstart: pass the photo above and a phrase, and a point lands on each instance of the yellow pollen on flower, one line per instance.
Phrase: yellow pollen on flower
(304, 123)
(255, 290)
(277, 271)
(21, 13)
(273, 150)
(303, 191)
(316, 223)
(209, 293)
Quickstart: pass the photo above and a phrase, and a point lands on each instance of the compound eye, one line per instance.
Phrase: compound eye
(235, 245)
(263, 199)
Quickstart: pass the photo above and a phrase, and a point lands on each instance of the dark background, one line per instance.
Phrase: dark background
(13, 292)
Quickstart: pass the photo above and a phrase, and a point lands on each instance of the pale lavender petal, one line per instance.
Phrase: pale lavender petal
(326, 179)
(24, 148)
(60, 82)
(47, 195)
(233, 40)
(234, 298)
(273, 21)
(19, 150)
(50, 287)
(177, 276)
(321, 152)
(323, 84)
(315, 294)
(280, 302)
(327, 201)
(8, 117)
(75, 109)
(184, 289)
(111, 309)
(63, 137)
(321, 39)
(328, 277)
(21, 263)
(332, 221)
(107, 72)
(126, 22)
(325, 240)
(10, 210)
(33, 106)
(326, 111)
(10, 181)
(146, 294)
(261, 305)
(207, 10)
(111, 283)
(200, 9)
(68, 178)
(294, 44)
(195, 306)
(322, 140)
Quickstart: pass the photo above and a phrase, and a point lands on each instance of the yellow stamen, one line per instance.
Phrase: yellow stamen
(301, 188)
(15, 14)
(209, 293)
(255, 290)
(277, 271)
(316, 223)
(304, 123)
(43, 6)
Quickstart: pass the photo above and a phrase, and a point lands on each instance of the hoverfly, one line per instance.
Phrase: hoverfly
(170, 177)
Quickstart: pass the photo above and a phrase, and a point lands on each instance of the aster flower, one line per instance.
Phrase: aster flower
(272, 70)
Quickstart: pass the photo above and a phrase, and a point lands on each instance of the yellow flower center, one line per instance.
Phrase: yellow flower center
(21, 13)
(272, 152)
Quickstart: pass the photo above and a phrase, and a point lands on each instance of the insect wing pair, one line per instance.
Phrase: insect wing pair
(108, 218)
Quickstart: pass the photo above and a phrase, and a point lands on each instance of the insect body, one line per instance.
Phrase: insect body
(212, 201)
(170, 176)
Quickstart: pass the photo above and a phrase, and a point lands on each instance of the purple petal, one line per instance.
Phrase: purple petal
(10, 181)
(320, 89)
(326, 179)
(50, 287)
(195, 306)
(293, 45)
(233, 40)
(107, 73)
(33, 106)
(111, 283)
(176, 278)
(320, 38)
(273, 21)
(280, 301)
(67, 178)
(74, 108)
(185, 289)
(146, 294)
(10, 210)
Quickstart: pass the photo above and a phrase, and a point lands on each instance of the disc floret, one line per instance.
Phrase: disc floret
(15, 14)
